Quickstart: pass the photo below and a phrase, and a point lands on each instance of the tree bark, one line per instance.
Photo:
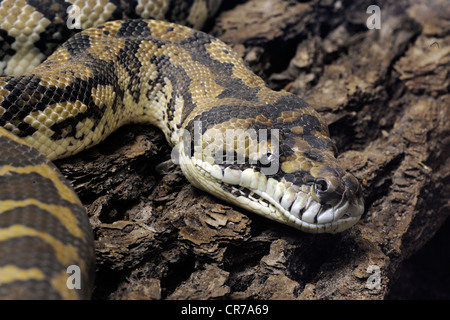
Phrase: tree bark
(385, 95)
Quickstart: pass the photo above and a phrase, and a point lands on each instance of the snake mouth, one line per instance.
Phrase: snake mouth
(286, 203)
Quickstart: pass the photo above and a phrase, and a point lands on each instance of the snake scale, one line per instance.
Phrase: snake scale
(279, 163)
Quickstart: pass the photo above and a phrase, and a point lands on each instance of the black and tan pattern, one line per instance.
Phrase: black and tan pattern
(195, 89)
(30, 30)
(34, 199)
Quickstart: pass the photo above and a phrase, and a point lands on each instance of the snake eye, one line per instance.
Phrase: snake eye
(327, 189)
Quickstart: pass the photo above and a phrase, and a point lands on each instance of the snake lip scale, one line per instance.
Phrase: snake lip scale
(297, 207)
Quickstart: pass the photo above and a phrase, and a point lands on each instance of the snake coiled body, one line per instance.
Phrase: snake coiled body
(279, 162)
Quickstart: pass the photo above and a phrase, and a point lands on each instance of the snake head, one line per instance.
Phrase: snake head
(290, 175)
(323, 199)
(310, 193)
(318, 196)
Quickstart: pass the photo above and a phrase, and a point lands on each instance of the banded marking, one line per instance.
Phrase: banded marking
(63, 214)
(48, 172)
(10, 273)
(65, 254)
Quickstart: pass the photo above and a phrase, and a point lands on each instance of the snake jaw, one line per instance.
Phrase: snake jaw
(308, 214)
(299, 207)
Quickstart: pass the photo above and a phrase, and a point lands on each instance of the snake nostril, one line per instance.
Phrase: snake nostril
(328, 190)
(321, 185)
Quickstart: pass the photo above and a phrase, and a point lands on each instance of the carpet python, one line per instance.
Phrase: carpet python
(279, 161)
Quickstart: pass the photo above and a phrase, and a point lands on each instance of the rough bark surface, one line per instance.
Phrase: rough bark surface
(384, 93)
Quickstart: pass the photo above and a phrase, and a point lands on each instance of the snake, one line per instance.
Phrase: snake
(265, 151)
